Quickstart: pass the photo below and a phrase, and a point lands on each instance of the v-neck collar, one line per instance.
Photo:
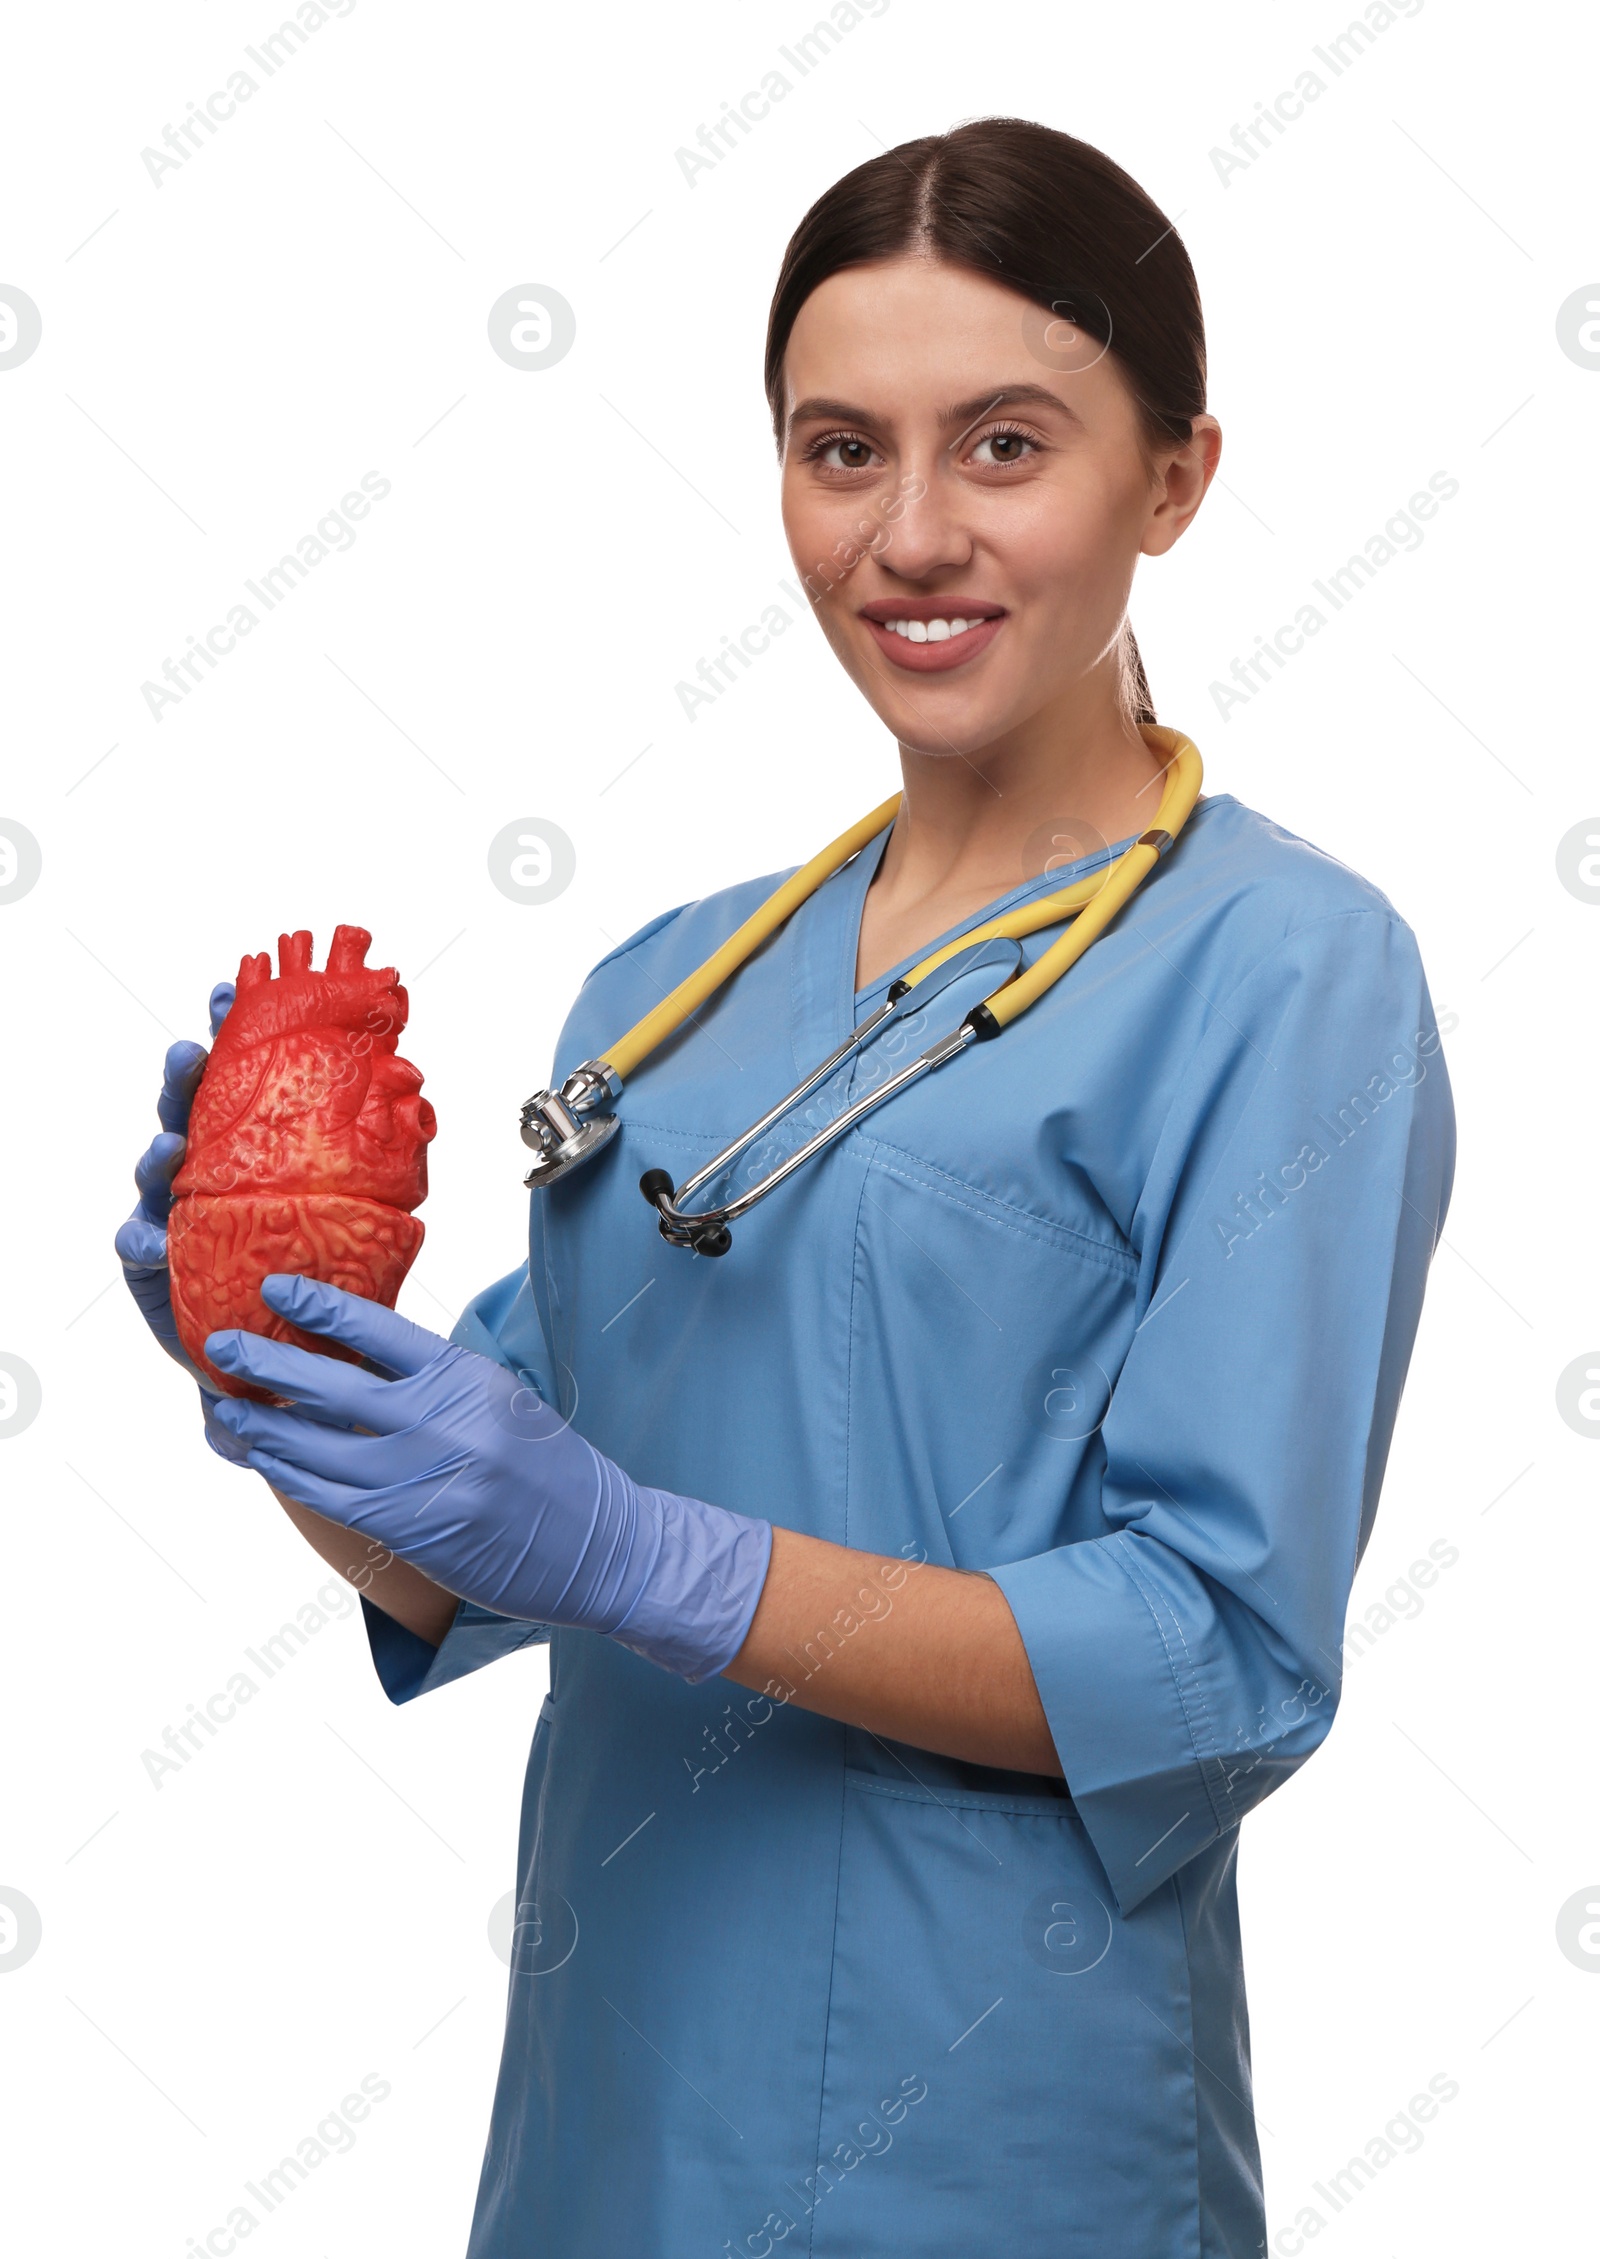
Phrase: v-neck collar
(1048, 882)
(824, 963)
(827, 1003)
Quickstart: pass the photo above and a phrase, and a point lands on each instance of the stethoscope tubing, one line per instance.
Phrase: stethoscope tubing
(565, 1128)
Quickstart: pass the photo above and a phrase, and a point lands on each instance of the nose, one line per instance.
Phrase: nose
(931, 535)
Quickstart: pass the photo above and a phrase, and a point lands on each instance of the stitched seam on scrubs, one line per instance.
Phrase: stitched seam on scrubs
(552, 1300)
(1293, 933)
(646, 932)
(1155, 1604)
(680, 1136)
(856, 1253)
(838, 1876)
(1041, 1229)
(1198, 2214)
(827, 2011)
(968, 1800)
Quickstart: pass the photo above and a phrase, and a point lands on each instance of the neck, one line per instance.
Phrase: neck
(1054, 788)
(973, 826)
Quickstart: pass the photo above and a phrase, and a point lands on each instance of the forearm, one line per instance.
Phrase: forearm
(919, 1654)
(395, 1586)
(925, 1655)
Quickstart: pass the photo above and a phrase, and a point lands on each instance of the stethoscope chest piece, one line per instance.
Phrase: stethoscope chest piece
(564, 1127)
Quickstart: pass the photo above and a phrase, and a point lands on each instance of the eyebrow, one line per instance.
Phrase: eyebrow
(964, 412)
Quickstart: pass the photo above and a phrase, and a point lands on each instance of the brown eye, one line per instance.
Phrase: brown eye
(997, 448)
(841, 451)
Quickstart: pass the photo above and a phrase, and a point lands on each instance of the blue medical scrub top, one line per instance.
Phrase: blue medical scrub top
(1116, 1308)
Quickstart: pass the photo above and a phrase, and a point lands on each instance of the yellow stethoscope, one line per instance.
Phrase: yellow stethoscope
(566, 1127)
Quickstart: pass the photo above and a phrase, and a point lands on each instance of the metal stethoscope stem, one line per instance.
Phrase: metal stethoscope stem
(706, 1230)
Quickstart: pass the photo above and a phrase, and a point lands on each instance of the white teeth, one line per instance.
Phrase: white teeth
(930, 631)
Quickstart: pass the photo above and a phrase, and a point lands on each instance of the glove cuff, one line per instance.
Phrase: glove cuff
(695, 1607)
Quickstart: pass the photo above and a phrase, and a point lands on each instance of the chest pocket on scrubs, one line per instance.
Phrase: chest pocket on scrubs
(984, 1348)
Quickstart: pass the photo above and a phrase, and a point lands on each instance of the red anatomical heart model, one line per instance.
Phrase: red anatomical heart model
(307, 1148)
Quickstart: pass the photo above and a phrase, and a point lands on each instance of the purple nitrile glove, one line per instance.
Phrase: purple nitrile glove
(141, 1242)
(467, 1472)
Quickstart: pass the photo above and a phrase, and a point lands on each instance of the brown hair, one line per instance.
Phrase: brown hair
(1051, 218)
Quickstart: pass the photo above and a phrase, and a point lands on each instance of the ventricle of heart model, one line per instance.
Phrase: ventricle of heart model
(307, 1147)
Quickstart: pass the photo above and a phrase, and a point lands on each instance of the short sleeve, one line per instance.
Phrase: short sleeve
(502, 1323)
(408, 1666)
(1189, 1660)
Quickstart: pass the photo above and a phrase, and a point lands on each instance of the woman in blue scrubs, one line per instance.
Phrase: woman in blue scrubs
(935, 1581)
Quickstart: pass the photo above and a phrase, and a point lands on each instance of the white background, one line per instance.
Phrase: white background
(303, 301)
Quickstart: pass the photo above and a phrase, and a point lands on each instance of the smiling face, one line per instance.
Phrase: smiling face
(967, 488)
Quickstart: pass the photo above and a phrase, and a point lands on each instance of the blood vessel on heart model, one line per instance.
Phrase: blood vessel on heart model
(307, 1147)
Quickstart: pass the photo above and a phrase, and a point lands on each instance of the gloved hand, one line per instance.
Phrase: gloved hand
(141, 1242)
(467, 1472)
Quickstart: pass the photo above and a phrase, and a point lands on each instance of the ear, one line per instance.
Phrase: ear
(1183, 472)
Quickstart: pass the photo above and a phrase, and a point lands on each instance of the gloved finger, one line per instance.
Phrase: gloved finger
(382, 1514)
(141, 1243)
(222, 1440)
(369, 1327)
(221, 1001)
(337, 1501)
(323, 1388)
(366, 1462)
(154, 1171)
(179, 1082)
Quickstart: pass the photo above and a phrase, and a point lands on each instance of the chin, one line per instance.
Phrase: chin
(950, 747)
(941, 729)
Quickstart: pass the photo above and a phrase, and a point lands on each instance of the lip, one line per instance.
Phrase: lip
(932, 658)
